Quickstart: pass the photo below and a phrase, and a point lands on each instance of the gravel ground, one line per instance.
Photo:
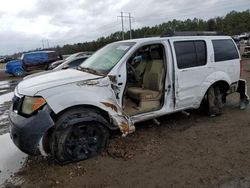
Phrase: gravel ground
(183, 151)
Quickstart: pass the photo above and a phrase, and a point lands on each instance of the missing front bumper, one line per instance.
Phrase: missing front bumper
(26, 133)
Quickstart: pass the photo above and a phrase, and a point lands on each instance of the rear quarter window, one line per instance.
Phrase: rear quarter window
(224, 49)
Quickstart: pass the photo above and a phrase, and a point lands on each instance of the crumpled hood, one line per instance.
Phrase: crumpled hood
(38, 83)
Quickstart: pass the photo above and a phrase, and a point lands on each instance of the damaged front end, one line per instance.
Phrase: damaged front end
(119, 118)
(97, 93)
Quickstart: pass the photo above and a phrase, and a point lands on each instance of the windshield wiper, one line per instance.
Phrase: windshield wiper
(89, 70)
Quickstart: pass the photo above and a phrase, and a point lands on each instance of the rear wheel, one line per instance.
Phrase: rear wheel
(214, 100)
(79, 135)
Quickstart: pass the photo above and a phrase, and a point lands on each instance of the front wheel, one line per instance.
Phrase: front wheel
(77, 138)
(18, 72)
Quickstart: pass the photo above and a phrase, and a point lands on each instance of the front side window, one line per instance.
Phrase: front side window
(224, 49)
(190, 53)
(106, 58)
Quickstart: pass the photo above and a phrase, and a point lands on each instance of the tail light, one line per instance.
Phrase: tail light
(241, 68)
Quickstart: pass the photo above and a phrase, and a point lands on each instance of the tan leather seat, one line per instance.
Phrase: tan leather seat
(152, 80)
(140, 69)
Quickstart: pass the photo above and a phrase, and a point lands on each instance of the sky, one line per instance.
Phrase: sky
(31, 24)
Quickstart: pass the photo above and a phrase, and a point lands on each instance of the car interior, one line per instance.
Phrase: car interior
(144, 90)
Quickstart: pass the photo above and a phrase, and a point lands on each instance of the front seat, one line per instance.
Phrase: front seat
(149, 94)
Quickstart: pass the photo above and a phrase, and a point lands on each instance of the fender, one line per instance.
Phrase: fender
(210, 80)
(88, 93)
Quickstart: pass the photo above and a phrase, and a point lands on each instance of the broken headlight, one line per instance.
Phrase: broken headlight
(31, 104)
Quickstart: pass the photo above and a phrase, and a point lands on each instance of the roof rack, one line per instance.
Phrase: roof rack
(149, 36)
(191, 33)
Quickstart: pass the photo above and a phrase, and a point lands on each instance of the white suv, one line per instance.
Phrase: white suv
(70, 113)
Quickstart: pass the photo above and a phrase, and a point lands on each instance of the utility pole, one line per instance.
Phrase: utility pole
(130, 23)
(122, 26)
(130, 32)
(42, 43)
(48, 42)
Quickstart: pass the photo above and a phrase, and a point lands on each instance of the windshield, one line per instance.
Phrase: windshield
(106, 58)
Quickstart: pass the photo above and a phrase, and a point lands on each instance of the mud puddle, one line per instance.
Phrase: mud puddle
(6, 97)
(11, 158)
(5, 102)
(7, 86)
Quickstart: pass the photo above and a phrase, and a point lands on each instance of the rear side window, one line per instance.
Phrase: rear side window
(190, 53)
(224, 50)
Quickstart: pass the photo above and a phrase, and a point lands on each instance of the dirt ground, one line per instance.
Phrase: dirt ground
(183, 151)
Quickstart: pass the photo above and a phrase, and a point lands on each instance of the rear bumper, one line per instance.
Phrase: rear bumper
(242, 90)
(26, 133)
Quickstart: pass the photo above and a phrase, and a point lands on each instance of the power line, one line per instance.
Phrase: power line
(130, 24)
(43, 43)
(102, 28)
(221, 6)
(81, 36)
(48, 42)
(122, 25)
(106, 25)
(106, 31)
(185, 12)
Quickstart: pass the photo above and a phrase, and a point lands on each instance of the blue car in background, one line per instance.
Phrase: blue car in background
(14, 67)
(39, 60)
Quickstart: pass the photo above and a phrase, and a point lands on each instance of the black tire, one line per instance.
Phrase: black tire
(215, 100)
(18, 72)
(79, 135)
(46, 67)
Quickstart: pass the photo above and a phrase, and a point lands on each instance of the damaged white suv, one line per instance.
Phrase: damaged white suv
(70, 113)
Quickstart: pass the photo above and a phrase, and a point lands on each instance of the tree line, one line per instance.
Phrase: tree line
(232, 24)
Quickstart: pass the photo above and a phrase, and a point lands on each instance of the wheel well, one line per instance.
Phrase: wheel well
(101, 111)
(223, 85)
(47, 135)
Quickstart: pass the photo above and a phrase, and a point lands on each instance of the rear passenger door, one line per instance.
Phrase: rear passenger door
(191, 69)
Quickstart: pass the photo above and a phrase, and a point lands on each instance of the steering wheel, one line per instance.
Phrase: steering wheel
(131, 73)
